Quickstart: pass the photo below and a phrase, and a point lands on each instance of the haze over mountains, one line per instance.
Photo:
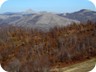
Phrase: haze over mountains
(46, 20)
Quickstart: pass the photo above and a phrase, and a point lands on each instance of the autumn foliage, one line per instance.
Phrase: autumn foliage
(32, 50)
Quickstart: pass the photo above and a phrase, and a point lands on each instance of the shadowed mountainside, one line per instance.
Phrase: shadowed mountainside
(83, 15)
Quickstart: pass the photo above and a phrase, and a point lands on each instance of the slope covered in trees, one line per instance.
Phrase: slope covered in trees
(24, 50)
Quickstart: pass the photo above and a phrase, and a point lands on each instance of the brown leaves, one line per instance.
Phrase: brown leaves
(58, 46)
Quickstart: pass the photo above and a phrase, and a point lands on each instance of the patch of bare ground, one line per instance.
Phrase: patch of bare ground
(80, 67)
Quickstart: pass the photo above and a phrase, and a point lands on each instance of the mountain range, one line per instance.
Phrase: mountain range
(83, 15)
(46, 20)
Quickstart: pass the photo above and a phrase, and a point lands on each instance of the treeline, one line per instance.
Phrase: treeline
(31, 50)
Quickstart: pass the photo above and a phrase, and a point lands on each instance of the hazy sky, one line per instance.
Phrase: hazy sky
(46, 5)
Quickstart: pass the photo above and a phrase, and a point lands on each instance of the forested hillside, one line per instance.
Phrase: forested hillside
(31, 50)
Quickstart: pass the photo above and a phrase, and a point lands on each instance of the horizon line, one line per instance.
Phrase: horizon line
(35, 11)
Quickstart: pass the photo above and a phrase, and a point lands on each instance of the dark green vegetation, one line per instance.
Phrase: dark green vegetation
(24, 50)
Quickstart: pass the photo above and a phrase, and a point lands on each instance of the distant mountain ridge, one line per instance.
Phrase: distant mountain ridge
(83, 15)
(46, 20)
(41, 20)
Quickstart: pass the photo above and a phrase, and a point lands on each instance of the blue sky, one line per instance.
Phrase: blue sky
(46, 5)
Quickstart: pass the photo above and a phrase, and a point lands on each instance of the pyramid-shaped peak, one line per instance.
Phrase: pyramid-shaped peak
(29, 11)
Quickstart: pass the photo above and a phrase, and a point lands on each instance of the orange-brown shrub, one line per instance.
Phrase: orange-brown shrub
(25, 50)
